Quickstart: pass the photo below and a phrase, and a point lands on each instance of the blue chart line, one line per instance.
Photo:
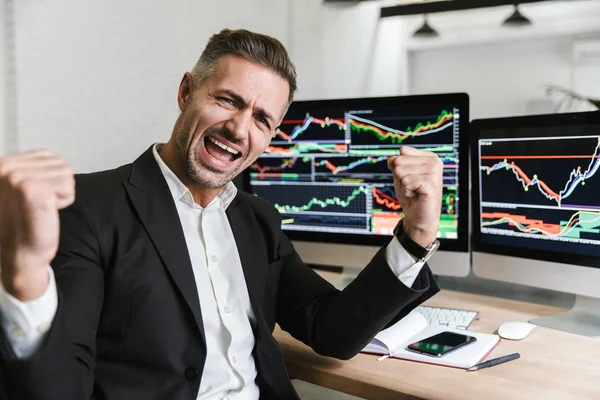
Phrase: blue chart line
(576, 177)
(298, 130)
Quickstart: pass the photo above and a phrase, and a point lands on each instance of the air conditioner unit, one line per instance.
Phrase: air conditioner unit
(586, 51)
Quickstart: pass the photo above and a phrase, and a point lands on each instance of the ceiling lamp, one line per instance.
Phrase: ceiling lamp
(425, 31)
(516, 19)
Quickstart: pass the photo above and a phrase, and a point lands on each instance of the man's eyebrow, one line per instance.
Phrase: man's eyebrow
(243, 103)
(266, 114)
(236, 97)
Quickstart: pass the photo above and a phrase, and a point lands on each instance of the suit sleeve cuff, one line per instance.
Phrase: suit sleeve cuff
(401, 263)
(26, 323)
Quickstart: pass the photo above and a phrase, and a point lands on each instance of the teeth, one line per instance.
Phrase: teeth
(232, 151)
(223, 146)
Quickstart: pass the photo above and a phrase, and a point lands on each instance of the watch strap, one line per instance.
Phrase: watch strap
(412, 247)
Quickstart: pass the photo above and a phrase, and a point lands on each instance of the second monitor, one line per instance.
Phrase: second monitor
(537, 208)
(326, 172)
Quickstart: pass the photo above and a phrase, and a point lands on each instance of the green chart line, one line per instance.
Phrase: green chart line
(397, 136)
(394, 152)
(323, 203)
(449, 159)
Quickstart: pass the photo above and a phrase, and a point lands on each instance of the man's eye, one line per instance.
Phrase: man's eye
(227, 100)
(263, 121)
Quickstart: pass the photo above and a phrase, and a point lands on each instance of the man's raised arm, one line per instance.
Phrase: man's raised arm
(47, 340)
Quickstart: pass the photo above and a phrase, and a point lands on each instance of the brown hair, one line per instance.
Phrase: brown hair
(258, 48)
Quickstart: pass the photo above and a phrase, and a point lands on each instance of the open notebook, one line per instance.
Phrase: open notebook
(393, 341)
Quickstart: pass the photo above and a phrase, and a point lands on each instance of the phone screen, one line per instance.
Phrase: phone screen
(441, 344)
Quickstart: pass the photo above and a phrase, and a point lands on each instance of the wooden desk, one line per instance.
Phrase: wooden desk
(553, 364)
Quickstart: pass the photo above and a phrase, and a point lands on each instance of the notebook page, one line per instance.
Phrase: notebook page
(391, 338)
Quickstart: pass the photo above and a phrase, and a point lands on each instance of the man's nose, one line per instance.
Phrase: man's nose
(239, 124)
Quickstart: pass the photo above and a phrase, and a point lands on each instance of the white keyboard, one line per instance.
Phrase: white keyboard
(456, 319)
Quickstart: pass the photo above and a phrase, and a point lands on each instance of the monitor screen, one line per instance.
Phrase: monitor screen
(535, 180)
(326, 167)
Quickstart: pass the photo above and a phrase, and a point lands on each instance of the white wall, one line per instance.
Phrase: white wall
(501, 79)
(3, 80)
(346, 51)
(586, 77)
(5, 77)
(97, 80)
(505, 70)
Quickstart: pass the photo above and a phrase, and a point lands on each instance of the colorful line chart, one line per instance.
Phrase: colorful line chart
(387, 210)
(331, 202)
(543, 179)
(577, 176)
(345, 165)
(384, 199)
(550, 186)
(392, 151)
(395, 131)
(346, 199)
(326, 169)
(303, 148)
(311, 128)
(578, 223)
(295, 168)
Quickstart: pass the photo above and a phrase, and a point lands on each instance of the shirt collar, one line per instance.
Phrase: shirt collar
(180, 192)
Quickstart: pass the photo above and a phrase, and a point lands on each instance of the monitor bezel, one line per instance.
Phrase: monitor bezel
(513, 123)
(460, 100)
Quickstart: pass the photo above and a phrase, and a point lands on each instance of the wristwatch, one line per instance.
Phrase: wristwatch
(413, 248)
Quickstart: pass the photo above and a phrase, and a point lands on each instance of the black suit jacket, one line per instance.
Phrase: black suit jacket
(129, 325)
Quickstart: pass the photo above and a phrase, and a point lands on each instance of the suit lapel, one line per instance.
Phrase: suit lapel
(254, 263)
(153, 202)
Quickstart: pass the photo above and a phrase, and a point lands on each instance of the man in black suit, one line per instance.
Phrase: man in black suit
(165, 282)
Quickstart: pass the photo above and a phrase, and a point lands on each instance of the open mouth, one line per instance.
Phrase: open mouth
(220, 150)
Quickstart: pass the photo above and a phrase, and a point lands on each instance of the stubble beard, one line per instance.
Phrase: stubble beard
(198, 171)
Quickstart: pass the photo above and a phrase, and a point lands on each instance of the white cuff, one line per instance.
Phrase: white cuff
(401, 263)
(26, 323)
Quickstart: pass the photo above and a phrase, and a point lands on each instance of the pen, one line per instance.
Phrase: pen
(495, 361)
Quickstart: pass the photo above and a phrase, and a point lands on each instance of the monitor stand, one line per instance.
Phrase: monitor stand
(582, 319)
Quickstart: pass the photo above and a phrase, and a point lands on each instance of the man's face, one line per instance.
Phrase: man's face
(228, 122)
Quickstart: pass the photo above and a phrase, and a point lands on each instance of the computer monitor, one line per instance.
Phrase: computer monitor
(326, 172)
(536, 208)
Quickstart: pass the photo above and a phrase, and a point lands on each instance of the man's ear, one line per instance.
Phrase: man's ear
(186, 88)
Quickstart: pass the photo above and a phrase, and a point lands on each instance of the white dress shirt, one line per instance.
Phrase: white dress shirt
(229, 371)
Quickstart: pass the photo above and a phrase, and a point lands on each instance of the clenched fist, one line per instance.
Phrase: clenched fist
(33, 187)
(418, 185)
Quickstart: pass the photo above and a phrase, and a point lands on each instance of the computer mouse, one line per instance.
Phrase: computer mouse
(515, 330)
